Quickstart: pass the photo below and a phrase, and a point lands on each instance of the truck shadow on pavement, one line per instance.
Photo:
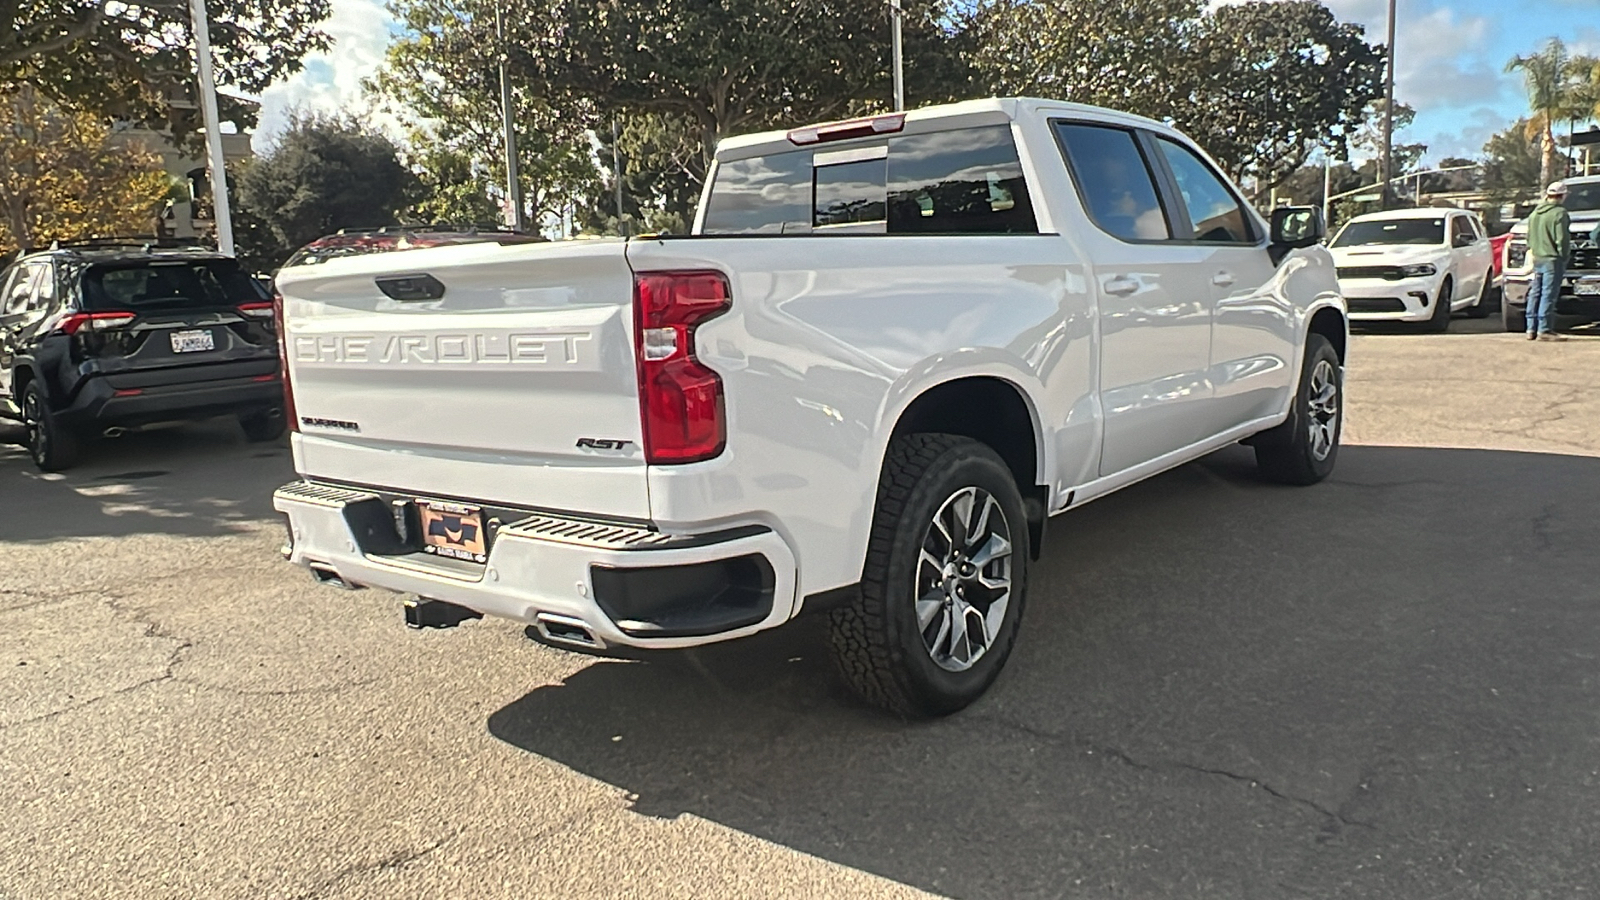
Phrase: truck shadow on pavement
(200, 480)
(1388, 685)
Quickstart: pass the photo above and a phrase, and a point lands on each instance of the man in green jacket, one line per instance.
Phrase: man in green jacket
(1550, 246)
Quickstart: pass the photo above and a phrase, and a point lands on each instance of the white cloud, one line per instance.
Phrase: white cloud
(331, 81)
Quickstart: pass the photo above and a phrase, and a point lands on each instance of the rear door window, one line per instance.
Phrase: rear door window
(18, 289)
(174, 285)
(1115, 181)
(963, 181)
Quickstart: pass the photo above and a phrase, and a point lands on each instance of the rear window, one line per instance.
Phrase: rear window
(187, 284)
(963, 181)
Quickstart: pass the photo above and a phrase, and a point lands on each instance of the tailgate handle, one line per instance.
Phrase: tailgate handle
(410, 288)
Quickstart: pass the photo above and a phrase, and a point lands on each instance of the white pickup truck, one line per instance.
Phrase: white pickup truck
(890, 350)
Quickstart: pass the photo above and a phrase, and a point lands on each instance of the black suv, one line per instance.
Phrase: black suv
(99, 339)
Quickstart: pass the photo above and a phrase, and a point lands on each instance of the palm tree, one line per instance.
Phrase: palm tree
(1554, 95)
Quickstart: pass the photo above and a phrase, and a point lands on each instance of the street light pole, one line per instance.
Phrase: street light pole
(1386, 173)
(516, 219)
(899, 62)
(220, 213)
(616, 177)
(1327, 188)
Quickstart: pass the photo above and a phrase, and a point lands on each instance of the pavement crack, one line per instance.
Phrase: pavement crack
(392, 862)
(1334, 817)
(1254, 782)
(326, 690)
(173, 659)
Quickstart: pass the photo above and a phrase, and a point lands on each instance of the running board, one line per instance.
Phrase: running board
(9, 410)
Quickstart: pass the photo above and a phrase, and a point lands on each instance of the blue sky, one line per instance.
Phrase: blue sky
(1449, 61)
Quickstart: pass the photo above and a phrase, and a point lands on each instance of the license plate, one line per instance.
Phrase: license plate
(1587, 289)
(453, 530)
(192, 341)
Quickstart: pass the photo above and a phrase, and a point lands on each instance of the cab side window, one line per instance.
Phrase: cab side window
(1461, 232)
(1115, 181)
(1215, 214)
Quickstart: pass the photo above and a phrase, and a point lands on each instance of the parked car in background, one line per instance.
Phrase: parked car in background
(1580, 289)
(98, 339)
(1414, 265)
(361, 241)
(890, 350)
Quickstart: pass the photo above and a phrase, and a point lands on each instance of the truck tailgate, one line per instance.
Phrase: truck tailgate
(517, 386)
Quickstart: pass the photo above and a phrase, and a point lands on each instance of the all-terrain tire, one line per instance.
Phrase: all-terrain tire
(53, 446)
(881, 650)
(1304, 448)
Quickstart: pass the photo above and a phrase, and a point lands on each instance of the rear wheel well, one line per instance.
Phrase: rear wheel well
(1330, 324)
(992, 412)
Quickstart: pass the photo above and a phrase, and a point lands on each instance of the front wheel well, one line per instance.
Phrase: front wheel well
(1329, 323)
(993, 412)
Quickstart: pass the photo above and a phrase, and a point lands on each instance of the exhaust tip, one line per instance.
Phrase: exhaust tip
(566, 630)
(326, 574)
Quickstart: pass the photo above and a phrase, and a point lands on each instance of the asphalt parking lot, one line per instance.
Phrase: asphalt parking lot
(1384, 686)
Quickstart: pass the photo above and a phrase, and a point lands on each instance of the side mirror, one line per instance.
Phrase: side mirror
(1294, 227)
(1464, 240)
(1298, 226)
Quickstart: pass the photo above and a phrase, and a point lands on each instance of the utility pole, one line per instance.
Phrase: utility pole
(899, 62)
(220, 213)
(616, 178)
(1386, 166)
(516, 219)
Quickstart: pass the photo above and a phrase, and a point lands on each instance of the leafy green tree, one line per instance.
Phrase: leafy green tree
(1276, 82)
(123, 59)
(449, 101)
(729, 66)
(1132, 55)
(1512, 162)
(324, 173)
(1260, 85)
(63, 175)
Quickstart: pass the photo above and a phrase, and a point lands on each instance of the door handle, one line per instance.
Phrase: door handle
(1121, 287)
(1222, 279)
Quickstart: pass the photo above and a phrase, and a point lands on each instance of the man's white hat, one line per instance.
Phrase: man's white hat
(1556, 189)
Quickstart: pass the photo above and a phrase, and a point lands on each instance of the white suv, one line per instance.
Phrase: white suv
(1414, 265)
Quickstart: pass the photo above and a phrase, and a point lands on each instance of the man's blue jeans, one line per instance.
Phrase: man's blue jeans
(1542, 293)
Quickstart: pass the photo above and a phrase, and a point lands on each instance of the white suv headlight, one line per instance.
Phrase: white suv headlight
(1418, 271)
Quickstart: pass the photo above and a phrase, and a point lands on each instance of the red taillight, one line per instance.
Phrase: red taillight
(283, 362)
(266, 309)
(100, 321)
(839, 131)
(680, 400)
